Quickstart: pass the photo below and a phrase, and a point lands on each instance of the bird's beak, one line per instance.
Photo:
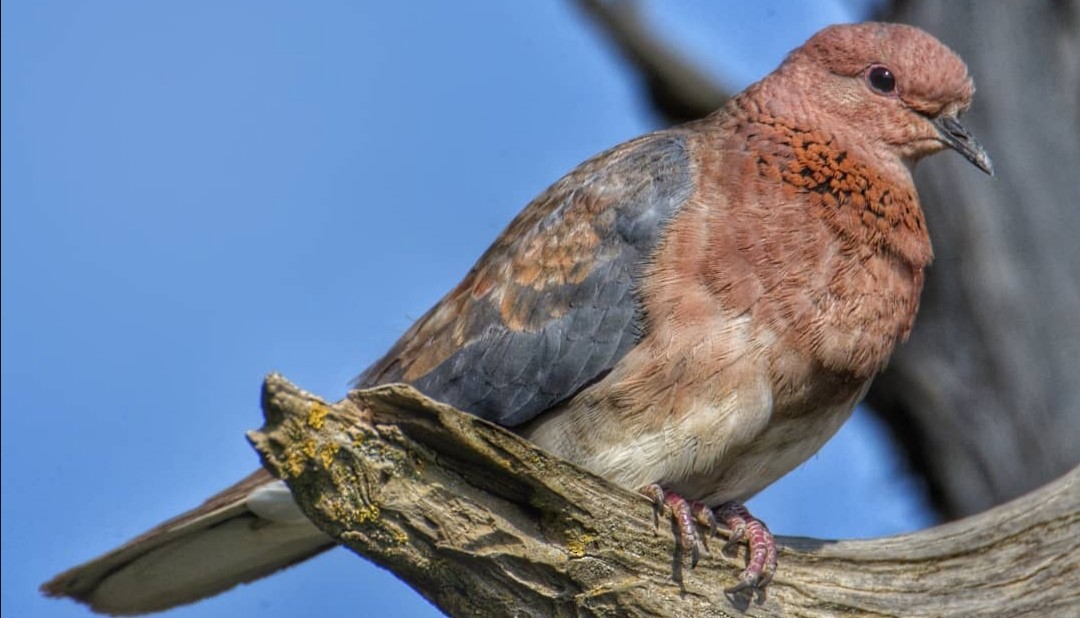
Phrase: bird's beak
(959, 139)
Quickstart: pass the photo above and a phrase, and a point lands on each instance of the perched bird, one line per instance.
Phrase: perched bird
(692, 313)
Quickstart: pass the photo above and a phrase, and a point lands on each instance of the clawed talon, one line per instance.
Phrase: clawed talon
(705, 517)
(686, 516)
(762, 559)
(761, 565)
(655, 493)
(734, 516)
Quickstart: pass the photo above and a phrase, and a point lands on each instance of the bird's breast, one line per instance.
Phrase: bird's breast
(763, 323)
(823, 251)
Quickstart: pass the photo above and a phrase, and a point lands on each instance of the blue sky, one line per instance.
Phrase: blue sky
(195, 194)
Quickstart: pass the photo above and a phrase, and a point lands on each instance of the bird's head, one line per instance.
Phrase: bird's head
(894, 85)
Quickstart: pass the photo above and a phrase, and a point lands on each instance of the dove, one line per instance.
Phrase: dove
(690, 314)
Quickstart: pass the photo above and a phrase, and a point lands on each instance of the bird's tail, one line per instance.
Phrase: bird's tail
(247, 531)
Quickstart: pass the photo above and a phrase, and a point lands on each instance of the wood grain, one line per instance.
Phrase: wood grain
(481, 522)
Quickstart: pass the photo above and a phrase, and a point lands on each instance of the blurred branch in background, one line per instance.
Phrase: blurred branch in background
(984, 399)
(679, 90)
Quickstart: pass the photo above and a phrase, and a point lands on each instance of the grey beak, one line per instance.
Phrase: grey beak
(959, 139)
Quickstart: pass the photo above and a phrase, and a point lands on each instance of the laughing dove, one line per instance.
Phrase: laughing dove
(692, 313)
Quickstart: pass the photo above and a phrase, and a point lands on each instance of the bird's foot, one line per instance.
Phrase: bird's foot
(761, 565)
(688, 515)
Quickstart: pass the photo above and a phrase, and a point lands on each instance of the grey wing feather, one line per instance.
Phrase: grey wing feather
(529, 328)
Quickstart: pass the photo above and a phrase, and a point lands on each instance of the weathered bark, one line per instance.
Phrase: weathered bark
(984, 399)
(481, 522)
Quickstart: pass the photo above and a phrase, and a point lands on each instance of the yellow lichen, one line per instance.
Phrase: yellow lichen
(327, 453)
(317, 415)
(577, 543)
(367, 514)
(348, 514)
(294, 462)
(309, 448)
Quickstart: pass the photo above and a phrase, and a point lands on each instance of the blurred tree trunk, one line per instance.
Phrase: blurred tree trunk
(984, 398)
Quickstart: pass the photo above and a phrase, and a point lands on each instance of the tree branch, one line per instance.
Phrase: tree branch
(480, 521)
(677, 88)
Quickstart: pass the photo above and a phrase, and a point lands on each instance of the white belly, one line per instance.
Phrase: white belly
(715, 452)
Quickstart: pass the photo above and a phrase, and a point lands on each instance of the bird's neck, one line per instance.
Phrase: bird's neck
(865, 195)
(807, 234)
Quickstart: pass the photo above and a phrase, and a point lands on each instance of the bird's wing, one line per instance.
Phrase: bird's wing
(551, 306)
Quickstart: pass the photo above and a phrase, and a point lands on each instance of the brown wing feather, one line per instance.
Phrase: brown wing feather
(551, 305)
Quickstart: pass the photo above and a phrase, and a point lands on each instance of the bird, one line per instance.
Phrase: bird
(690, 314)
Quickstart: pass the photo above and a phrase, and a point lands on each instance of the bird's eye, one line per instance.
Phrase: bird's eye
(881, 79)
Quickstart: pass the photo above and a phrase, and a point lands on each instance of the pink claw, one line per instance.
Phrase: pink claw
(761, 565)
(685, 514)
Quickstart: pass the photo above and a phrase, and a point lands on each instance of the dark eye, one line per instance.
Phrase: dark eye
(881, 79)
